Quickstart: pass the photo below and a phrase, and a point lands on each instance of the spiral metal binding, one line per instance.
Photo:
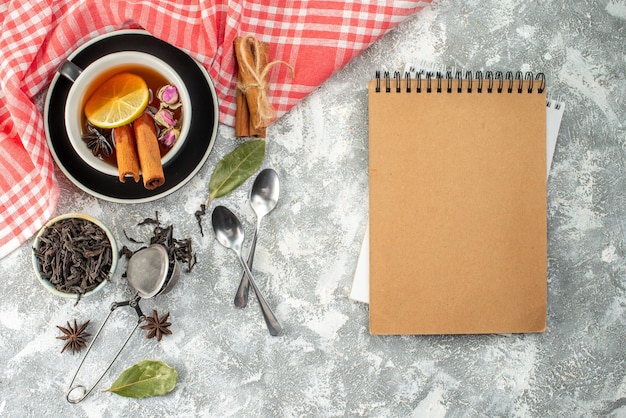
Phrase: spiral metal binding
(478, 82)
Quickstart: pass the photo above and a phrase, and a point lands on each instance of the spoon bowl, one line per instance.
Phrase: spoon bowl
(229, 233)
(227, 228)
(264, 193)
(263, 199)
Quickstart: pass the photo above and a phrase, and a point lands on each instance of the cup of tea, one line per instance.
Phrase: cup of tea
(156, 73)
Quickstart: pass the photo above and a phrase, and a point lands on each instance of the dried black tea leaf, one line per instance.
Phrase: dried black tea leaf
(126, 252)
(179, 249)
(131, 239)
(199, 214)
(150, 221)
(74, 255)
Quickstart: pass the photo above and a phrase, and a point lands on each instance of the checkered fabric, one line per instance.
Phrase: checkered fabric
(315, 37)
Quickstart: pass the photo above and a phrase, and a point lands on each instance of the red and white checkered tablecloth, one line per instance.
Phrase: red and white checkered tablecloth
(316, 37)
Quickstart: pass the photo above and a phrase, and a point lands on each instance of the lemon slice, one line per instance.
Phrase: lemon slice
(118, 101)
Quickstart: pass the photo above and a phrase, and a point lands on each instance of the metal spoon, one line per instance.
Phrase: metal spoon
(229, 233)
(263, 199)
(149, 272)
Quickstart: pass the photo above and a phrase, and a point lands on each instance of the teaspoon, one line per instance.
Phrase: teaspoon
(229, 233)
(263, 199)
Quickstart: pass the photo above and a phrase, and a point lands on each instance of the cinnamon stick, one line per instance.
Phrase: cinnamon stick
(126, 153)
(148, 151)
(256, 61)
(258, 124)
(242, 116)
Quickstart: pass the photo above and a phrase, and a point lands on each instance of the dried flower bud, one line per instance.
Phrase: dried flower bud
(165, 118)
(168, 94)
(169, 136)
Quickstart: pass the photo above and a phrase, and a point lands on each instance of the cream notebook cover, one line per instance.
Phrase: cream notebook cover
(458, 230)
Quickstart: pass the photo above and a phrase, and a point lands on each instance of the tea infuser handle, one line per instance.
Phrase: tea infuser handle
(83, 388)
(86, 392)
(133, 303)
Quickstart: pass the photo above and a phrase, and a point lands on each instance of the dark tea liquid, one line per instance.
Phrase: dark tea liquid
(155, 81)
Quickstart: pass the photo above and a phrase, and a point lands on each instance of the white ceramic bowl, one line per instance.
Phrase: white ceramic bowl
(92, 76)
(36, 265)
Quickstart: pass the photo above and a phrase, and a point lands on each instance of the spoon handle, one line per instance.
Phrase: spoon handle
(241, 297)
(273, 325)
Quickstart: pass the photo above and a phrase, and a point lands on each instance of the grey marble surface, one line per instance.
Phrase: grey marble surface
(327, 363)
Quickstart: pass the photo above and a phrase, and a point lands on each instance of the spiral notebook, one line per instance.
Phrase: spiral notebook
(458, 234)
(360, 289)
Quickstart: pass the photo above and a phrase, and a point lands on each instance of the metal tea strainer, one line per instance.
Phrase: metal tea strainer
(149, 272)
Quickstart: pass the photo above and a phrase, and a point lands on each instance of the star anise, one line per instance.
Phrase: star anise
(99, 142)
(157, 327)
(75, 337)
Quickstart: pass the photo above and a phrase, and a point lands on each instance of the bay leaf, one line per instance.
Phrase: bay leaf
(144, 379)
(236, 167)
